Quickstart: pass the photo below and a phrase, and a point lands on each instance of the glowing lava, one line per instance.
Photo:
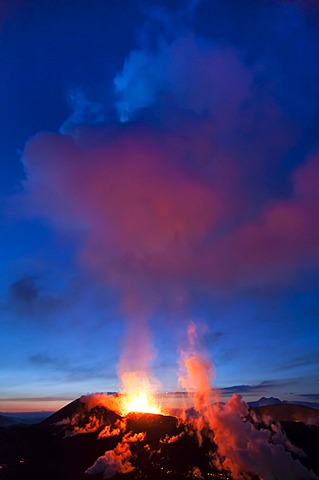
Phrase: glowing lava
(139, 403)
(137, 396)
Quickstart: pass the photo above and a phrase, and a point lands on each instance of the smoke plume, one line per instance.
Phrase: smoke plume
(244, 448)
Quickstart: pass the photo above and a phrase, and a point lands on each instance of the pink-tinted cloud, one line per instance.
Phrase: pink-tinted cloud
(147, 220)
(139, 213)
(139, 210)
(282, 239)
(152, 226)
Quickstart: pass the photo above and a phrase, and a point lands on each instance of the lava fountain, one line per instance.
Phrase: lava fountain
(140, 402)
(138, 396)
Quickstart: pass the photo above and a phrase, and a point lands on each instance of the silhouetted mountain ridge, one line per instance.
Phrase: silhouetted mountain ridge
(83, 438)
(263, 401)
(6, 421)
(28, 418)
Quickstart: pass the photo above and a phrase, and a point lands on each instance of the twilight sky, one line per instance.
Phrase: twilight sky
(160, 166)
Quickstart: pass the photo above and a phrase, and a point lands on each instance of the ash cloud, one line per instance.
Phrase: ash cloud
(84, 111)
(144, 216)
(196, 187)
(193, 74)
(150, 228)
(140, 181)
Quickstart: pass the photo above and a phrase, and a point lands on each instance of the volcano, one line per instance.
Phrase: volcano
(82, 441)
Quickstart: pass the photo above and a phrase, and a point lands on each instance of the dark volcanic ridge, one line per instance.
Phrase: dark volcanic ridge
(28, 418)
(264, 401)
(225, 441)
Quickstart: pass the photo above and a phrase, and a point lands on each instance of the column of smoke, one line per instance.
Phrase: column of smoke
(242, 449)
(196, 376)
(137, 348)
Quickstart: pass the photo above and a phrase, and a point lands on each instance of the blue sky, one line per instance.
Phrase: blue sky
(160, 166)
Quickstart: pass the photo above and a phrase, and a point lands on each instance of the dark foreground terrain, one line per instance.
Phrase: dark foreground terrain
(65, 445)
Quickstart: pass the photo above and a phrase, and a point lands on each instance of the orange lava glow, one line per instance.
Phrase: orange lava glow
(139, 403)
(138, 393)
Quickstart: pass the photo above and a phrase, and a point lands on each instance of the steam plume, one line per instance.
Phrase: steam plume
(242, 448)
